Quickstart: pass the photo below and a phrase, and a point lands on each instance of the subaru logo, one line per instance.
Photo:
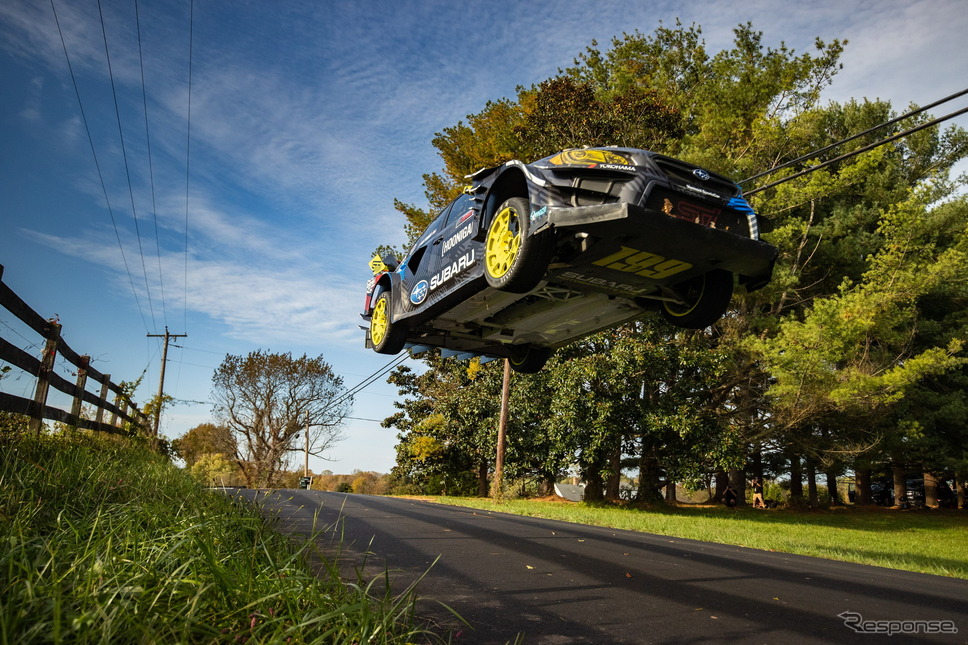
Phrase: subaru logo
(419, 292)
(701, 174)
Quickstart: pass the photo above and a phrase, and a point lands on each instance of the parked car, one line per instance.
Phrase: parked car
(534, 256)
(882, 492)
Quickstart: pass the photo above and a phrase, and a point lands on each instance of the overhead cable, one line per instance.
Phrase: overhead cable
(853, 153)
(188, 144)
(151, 170)
(97, 165)
(855, 136)
(127, 171)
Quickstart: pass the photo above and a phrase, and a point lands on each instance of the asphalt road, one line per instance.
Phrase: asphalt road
(556, 583)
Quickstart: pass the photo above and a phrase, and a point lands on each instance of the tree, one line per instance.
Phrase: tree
(214, 469)
(266, 400)
(204, 439)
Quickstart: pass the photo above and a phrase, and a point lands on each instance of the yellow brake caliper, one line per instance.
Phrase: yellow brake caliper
(502, 244)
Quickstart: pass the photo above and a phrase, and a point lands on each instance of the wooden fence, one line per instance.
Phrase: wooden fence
(121, 411)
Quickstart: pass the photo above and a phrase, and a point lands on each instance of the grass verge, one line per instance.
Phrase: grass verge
(921, 541)
(104, 541)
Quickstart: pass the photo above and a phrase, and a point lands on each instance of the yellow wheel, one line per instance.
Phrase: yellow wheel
(702, 300)
(515, 260)
(387, 338)
(503, 242)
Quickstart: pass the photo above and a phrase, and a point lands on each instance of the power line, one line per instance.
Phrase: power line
(856, 136)
(151, 169)
(127, 171)
(866, 148)
(188, 143)
(97, 165)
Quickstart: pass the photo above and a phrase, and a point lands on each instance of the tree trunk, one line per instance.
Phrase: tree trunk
(756, 462)
(900, 485)
(812, 499)
(649, 480)
(594, 490)
(614, 482)
(738, 479)
(960, 486)
(831, 476)
(862, 486)
(931, 490)
(482, 487)
(722, 478)
(796, 479)
(546, 486)
(670, 492)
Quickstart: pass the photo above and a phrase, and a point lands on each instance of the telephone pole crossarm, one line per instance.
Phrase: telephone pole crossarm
(161, 380)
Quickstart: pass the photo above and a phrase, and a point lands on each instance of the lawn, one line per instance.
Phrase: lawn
(926, 541)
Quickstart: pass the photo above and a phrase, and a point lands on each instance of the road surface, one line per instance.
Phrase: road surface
(556, 583)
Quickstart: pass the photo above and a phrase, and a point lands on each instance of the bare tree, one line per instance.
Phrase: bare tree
(266, 400)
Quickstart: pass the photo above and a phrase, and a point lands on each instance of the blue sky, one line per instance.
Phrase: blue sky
(307, 120)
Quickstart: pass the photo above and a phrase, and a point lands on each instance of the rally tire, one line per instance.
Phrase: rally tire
(387, 337)
(527, 358)
(705, 299)
(515, 260)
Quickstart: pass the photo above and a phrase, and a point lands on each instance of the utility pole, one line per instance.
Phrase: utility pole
(306, 467)
(497, 486)
(161, 380)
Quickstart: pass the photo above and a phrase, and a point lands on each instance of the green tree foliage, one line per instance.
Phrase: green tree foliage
(855, 351)
(204, 439)
(267, 399)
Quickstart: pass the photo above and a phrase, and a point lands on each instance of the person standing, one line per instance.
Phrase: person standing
(758, 493)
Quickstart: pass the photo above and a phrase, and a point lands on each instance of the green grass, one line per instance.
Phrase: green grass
(103, 541)
(923, 541)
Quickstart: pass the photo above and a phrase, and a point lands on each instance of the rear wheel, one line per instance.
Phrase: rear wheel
(387, 337)
(528, 359)
(514, 260)
(702, 300)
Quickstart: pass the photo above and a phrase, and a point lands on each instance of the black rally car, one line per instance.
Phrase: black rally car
(534, 256)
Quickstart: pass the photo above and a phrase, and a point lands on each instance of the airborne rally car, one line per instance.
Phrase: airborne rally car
(534, 256)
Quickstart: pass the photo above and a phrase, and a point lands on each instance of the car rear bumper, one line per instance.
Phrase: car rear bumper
(649, 248)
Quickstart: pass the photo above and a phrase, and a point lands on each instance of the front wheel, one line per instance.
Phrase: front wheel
(387, 337)
(514, 260)
(528, 359)
(701, 301)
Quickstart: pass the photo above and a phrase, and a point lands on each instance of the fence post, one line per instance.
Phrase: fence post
(114, 415)
(79, 395)
(104, 397)
(43, 376)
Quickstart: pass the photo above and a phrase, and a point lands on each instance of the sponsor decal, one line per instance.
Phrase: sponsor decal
(615, 166)
(602, 283)
(695, 213)
(539, 213)
(456, 238)
(642, 263)
(450, 271)
(699, 214)
(702, 191)
(701, 174)
(466, 216)
(370, 284)
(587, 158)
(419, 292)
